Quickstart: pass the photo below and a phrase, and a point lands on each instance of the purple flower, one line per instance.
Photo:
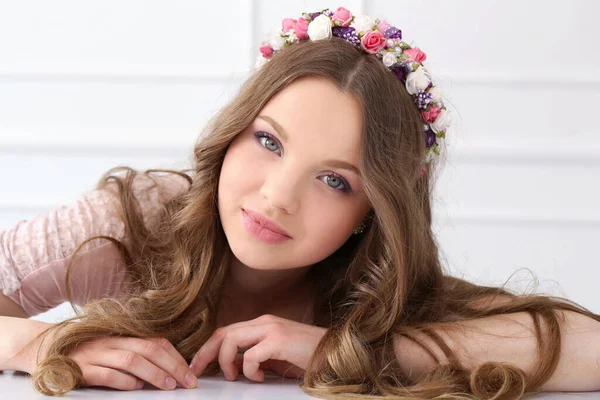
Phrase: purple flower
(342, 31)
(393, 33)
(430, 134)
(401, 70)
(314, 15)
(347, 33)
(423, 99)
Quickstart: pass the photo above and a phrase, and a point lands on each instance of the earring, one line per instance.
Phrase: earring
(360, 228)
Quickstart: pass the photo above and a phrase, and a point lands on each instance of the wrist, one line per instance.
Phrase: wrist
(19, 346)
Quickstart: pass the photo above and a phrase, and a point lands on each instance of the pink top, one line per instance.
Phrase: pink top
(34, 253)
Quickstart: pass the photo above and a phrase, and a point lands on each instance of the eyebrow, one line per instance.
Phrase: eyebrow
(283, 133)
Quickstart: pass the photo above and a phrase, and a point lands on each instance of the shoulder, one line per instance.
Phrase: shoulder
(163, 186)
(151, 191)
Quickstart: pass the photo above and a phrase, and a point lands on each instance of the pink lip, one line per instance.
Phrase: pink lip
(264, 227)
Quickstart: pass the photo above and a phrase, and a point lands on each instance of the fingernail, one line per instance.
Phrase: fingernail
(139, 385)
(170, 383)
(191, 380)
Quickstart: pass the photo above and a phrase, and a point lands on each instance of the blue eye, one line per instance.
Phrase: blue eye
(340, 181)
(331, 178)
(265, 135)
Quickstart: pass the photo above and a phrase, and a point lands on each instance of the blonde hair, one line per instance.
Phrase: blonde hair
(387, 280)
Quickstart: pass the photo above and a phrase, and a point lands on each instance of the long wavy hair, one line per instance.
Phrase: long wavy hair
(388, 280)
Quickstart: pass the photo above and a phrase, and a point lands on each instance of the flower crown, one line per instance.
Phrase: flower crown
(373, 37)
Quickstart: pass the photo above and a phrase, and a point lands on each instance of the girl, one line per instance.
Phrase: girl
(301, 235)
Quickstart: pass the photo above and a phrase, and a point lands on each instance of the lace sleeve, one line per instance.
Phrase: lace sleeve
(34, 253)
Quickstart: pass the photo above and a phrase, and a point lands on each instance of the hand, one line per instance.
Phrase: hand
(154, 360)
(104, 361)
(281, 345)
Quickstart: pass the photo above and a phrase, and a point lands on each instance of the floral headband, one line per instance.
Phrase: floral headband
(373, 37)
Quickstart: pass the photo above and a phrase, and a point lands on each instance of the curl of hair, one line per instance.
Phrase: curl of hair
(389, 280)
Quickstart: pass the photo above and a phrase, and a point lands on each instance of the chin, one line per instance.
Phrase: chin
(254, 257)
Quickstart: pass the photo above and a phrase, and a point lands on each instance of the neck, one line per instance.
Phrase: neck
(250, 293)
(267, 286)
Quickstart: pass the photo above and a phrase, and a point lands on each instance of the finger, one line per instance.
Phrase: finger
(233, 341)
(156, 354)
(100, 376)
(190, 379)
(265, 365)
(168, 346)
(210, 350)
(199, 361)
(253, 359)
(136, 364)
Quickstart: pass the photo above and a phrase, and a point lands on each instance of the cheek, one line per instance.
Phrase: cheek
(329, 227)
(238, 173)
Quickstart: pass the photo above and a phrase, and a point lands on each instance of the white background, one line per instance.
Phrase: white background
(87, 85)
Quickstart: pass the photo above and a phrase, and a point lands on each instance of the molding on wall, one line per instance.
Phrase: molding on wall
(453, 215)
(118, 72)
(481, 151)
(582, 78)
(88, 150)
(530, 151)
(526, 217)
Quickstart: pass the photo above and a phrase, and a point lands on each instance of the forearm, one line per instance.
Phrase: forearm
(511, 338)
(15, 334)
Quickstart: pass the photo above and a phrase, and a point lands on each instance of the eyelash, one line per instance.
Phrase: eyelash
(346, 189)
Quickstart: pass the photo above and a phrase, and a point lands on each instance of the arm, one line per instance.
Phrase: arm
(511, 338)
(15, 334)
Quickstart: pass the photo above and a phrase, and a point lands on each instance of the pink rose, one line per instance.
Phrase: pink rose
(288, 23)
(415, 54)
(341, 17)
(372, 41)
(301, 28)
(431, 114)
(266, 50)
(383, 26)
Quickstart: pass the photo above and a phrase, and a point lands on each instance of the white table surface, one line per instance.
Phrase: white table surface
(18, 386)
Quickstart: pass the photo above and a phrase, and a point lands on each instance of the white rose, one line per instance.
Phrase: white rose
(417, 81)
(362, 23)
(319, 28)
(436, 94)
(275, 39)
(389, 59)
(441, 122)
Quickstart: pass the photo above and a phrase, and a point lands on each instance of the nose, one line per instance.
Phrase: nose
(281, 188)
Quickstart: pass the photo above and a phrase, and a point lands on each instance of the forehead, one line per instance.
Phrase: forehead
(315, 109)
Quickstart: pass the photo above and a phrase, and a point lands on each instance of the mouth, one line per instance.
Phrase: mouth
(266, 223)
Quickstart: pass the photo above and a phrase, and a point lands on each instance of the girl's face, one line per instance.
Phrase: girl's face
(295, 165)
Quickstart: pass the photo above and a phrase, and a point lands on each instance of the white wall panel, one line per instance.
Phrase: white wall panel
(126, 35)
(68, 112)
